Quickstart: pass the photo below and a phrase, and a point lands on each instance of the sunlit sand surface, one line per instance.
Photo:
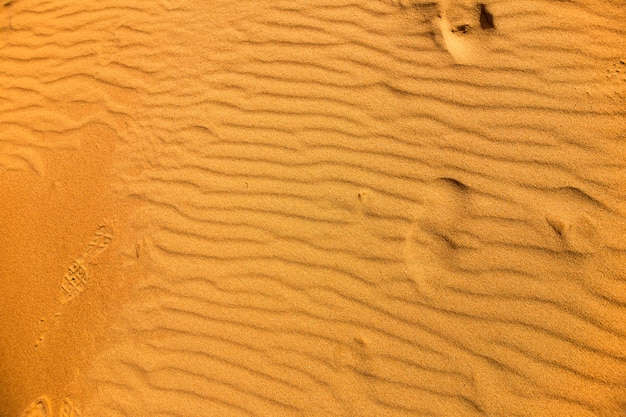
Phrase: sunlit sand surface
(312, 208)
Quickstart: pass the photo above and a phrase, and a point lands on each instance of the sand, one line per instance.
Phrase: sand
(312, 208)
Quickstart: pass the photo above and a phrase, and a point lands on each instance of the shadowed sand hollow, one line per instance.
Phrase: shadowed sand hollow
(312, 208)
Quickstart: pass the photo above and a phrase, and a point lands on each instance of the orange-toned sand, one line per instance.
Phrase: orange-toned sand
(312, 208)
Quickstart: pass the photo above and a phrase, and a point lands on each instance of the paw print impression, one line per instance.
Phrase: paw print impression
(463, 240)
(463, 28)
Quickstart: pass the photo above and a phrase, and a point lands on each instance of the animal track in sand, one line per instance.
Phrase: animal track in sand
(461, 27)
(461, 237)
(76, 277)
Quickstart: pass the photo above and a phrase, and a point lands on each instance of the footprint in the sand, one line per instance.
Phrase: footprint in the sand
(462, 239)
(39, 408)
(69, 409)
(76, 279)
(99, 243)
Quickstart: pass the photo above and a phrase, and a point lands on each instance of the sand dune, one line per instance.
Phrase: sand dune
(313, 208)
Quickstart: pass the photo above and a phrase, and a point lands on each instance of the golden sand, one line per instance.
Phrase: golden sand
(312, 208)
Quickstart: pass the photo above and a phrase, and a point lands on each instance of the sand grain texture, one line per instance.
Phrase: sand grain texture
(315, 208)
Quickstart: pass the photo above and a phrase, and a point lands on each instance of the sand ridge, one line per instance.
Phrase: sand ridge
(398, 208)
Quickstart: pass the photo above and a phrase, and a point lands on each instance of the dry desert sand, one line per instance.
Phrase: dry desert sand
(312, 208)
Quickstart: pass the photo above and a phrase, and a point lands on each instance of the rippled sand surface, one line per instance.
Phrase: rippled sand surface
(312, 208)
